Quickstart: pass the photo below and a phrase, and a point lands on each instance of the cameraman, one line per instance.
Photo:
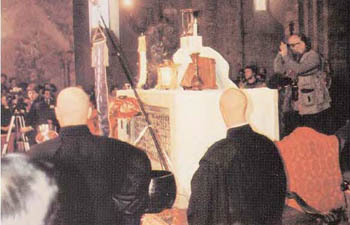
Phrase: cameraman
(311, 99)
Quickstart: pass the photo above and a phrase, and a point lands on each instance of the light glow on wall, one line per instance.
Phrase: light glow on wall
(260, 5)
(127, 3)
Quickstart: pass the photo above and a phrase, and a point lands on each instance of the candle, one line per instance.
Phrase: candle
(195, 28)
(142, 43)
(166, 73)
(142, 61)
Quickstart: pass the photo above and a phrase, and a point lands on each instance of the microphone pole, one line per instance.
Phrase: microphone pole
(122, 60)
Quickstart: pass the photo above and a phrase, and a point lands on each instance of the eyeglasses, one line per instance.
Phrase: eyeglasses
(292, 45)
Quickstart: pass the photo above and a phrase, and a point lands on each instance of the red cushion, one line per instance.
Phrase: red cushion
(311, 161)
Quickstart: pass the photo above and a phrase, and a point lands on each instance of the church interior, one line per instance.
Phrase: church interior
(154, 71)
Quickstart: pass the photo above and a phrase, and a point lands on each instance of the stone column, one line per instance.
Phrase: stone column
(82, 46)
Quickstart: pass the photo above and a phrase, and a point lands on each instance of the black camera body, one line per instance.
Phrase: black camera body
(15, 100)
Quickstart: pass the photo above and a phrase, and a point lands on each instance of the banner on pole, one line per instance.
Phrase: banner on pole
(100, 62)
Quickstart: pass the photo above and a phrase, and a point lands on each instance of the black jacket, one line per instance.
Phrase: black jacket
(101, 180)
(40, 112)
(5, 117)
(240, 180)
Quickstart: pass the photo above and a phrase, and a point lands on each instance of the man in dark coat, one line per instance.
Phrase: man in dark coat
(241, 179)
(101, 180)
(41, 112)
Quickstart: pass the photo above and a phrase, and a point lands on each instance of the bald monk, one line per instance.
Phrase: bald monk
(103, 181)
(240, 179)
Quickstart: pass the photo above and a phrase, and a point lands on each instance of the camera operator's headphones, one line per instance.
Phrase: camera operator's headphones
(304, 39)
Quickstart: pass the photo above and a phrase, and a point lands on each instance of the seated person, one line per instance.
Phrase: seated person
(104, 181)
(28, 191)
(251, 79)
(240, 179)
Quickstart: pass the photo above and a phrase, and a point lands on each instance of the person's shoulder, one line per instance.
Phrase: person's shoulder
(118, 143)
(312, 54)
(260, 142)
(261, 138)
(45, 149)
(133, 156)
(133, 151)
(278, 56)
(104, 142)
(219, 144)
(39, 104)
(124, 148)
(311, 51)
(260, 84)
(219, 152)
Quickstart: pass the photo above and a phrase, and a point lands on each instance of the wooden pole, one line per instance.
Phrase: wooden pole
(242, 31)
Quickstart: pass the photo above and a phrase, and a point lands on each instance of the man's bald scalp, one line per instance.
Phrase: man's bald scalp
(233, 105)
(72, 106)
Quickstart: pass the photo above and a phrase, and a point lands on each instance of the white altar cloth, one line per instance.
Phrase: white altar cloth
(196, 123)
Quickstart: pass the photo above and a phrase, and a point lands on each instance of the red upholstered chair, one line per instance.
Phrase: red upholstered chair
(311, 161)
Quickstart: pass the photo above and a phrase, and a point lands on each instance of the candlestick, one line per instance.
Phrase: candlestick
(195, 27)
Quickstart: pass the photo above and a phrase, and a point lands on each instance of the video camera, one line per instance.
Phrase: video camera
(278, 81)
(15, 99)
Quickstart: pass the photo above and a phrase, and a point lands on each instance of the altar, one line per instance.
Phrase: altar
(186, 123)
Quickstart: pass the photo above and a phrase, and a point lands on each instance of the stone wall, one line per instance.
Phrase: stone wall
(82, 45)
(37, 40)
(339, 48)
(339, 36)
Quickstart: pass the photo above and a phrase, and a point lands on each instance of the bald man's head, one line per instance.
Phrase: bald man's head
(233, 105)
(72, 107)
